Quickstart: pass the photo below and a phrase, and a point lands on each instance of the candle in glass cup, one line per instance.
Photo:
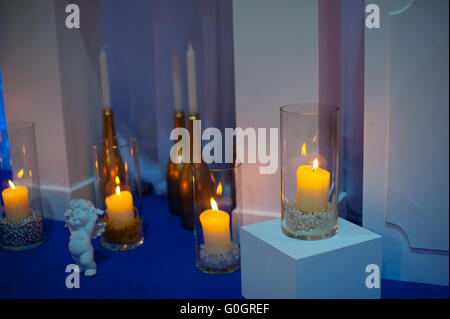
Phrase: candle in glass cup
(119, 206)
(312, 188)
(216, 230)
(15, 200)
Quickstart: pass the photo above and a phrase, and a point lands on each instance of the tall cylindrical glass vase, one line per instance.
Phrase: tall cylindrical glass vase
(309, 170)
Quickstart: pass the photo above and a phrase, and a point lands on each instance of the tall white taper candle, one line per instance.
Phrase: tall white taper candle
(104, 78)
(192, 84)
(176, 82)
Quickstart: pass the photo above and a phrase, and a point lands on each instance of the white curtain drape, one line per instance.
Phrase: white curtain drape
(141, 36)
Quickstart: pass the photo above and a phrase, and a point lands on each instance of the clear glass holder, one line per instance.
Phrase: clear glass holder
(118, 192)
(309, 170)
(217, 218)
(21, 220)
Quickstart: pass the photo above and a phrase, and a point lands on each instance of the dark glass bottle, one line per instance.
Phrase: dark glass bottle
(186, 183)
(112, 170)
(174, 172)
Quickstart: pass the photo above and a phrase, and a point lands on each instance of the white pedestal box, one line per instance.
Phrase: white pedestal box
(276, 266)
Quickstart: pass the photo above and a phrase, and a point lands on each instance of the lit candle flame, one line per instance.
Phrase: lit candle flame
(20, 173)
(117, 180)
(118, 190)
(214, 204)
(219, 189)
(315, 165)
(11, 184)
(304, 149)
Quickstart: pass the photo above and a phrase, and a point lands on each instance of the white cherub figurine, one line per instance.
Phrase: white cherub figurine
(81, 217)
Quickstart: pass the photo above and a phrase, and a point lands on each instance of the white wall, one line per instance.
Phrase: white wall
(50, 77)
(276, 63)
(406, 138)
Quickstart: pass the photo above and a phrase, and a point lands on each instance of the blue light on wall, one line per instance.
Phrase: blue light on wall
(2, 105)
(5, 165)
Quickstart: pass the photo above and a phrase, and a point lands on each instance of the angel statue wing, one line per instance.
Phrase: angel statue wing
(99, 228)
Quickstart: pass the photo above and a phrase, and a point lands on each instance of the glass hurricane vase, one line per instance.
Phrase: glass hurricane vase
(309, 170)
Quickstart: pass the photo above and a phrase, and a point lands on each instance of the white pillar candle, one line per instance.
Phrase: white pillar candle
(216, 230)
(104, 78)
(119, 206)
(192, 84)
(178, 100)
(15, 199)
(312, 188)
